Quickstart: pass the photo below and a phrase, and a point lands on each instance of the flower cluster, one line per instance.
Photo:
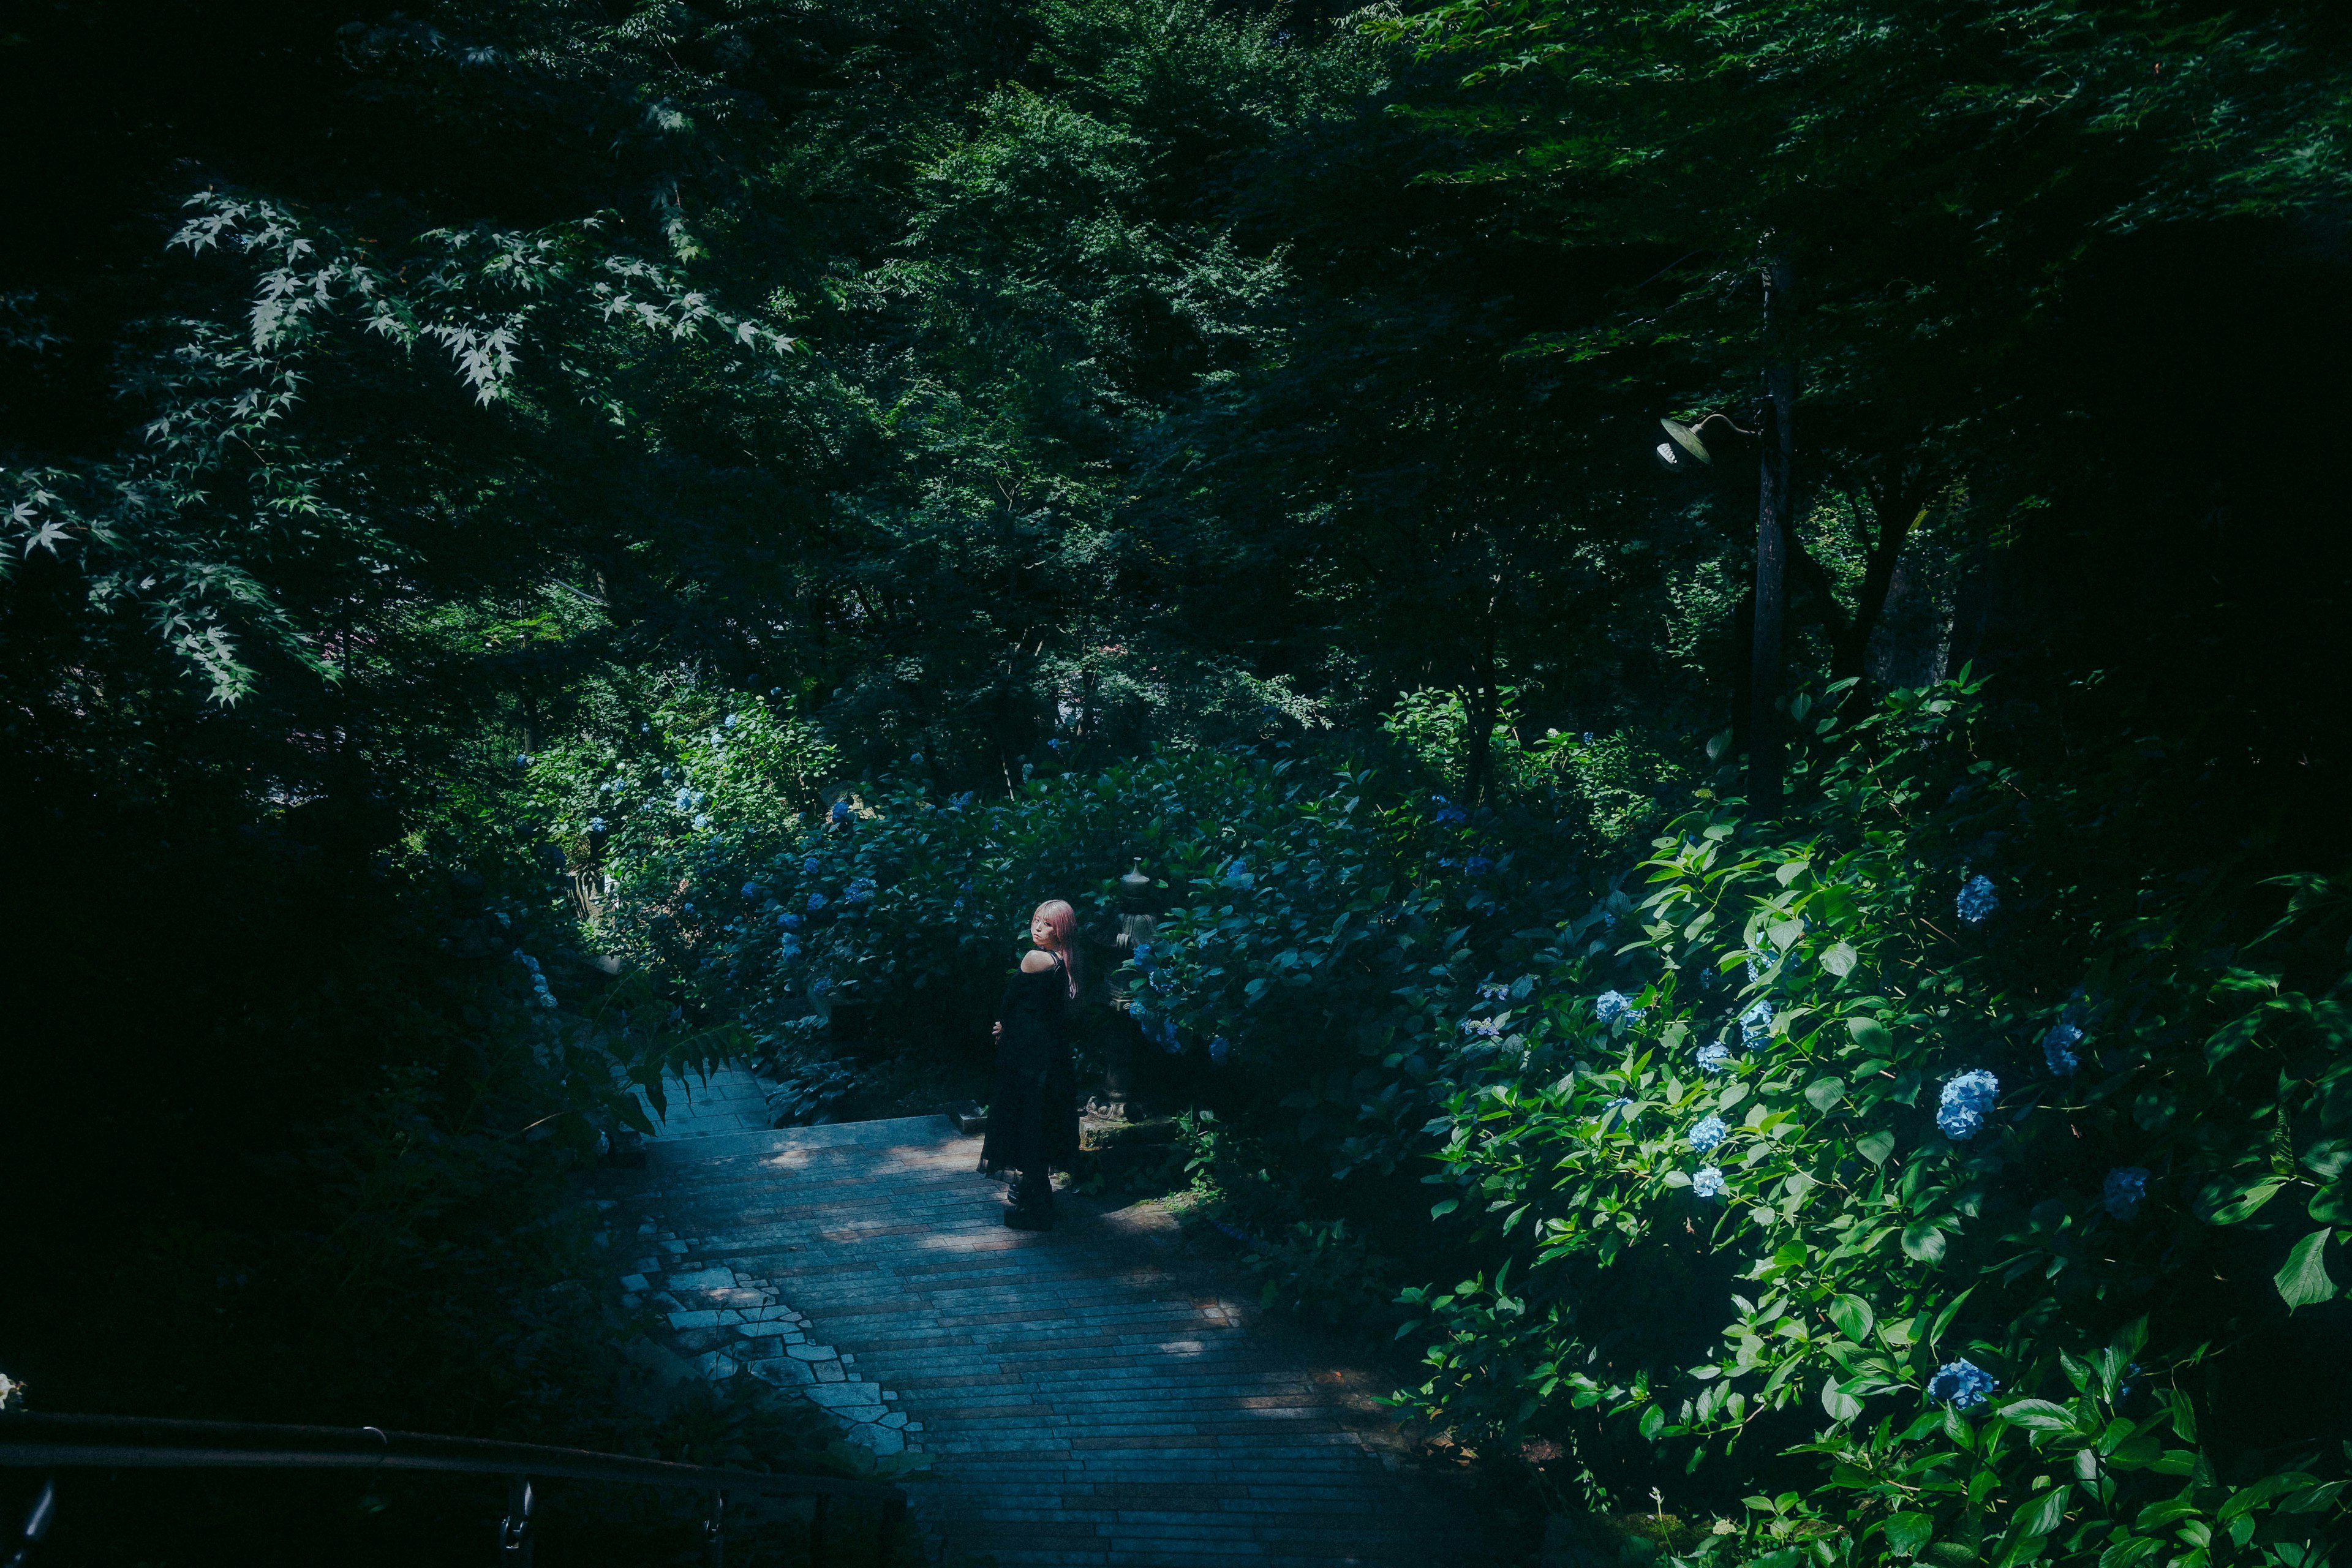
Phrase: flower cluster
(1707, 1182)
(1219, 1048)
(1447, 815)
(1966, 1101)
(2126, 1190)
(1484, 1028)
(1714, 1056)
(1612, 1006)
(1756, 1027)
(2060, 1047)
(1962, 1384)
(1708, 1133)
(1978, 900)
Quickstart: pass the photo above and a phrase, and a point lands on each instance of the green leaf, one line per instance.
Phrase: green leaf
(2123, 1554)
(1876, 1147)
(1923, 1240)
(1824, 1092)
(1852, 1316)
(1842, 1405)
(1870, 1034)
(2039, 1415)
(2226, 1200)
(2332, 1205)
(1443, 1206)
(1839, 958)
(2040, 1515)
(1908, 1532)
(2303, 1280)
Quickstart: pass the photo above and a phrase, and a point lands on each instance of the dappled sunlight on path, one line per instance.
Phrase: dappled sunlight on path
(1083, 1398)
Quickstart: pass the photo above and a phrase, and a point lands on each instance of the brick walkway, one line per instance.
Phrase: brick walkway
(1085, 1396)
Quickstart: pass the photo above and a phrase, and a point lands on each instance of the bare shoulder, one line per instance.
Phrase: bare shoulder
(1036, 962)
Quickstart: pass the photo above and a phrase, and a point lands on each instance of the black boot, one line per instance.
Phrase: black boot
(1033, 1203)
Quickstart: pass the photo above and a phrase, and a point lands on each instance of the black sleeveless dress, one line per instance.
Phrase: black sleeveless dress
(1032, 1121)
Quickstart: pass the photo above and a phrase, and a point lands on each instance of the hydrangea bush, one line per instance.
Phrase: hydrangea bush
(1923, 1232)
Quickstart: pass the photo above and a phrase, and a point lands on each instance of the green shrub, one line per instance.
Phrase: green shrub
(1753, 1181)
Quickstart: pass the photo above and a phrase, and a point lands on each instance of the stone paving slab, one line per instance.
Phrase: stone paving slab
(1086, 1396)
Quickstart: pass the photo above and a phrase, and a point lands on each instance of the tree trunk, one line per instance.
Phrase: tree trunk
(1896, 508)
(1772, 522)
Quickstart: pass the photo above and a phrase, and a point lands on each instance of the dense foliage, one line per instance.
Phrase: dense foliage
(753, 497)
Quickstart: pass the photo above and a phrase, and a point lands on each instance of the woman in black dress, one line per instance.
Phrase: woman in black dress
(1033, 1122)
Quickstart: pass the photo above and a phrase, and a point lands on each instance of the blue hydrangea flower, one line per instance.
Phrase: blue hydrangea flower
(1477, 866)
(685, 800)
(790, 947)
(860, 891)
(1237, 874)
(1756, 1026)
(1491, 991)
(1978, 900)
(702, 819)
(1708, 1133)
(1588, 737)
(841, 809)
(1714, 1056)
(2126, 1190)
(731, 721)
(1219, 1048)
(752, 892)
(1447, 815)
(1707, 1182)
(1962, 1384)
(1966, 1101)
(1487, 1027)
(816, 903)
(916, 760)
(546, 1000)
(1612, 1006)
(966, 798)
(789, 920)
(522, 759)
(689, 908)
(1145, 959)
(2061, 1048)
(1054, 744)
(811, 867)
(595, 825)
(775, 691)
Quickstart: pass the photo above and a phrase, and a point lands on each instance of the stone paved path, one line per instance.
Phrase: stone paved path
(1085, 1398)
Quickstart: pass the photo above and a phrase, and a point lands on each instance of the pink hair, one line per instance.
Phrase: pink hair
(1062, 922)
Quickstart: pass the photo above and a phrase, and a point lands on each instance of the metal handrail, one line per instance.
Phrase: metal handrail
(53, 1442)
